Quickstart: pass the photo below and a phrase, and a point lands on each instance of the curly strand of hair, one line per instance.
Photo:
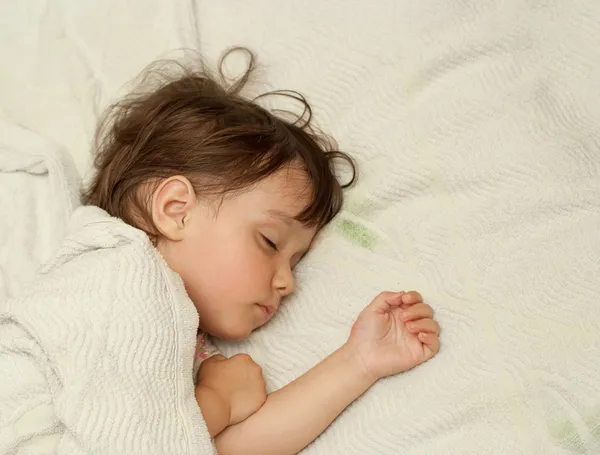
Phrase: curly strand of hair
(196, 126)
(237, 85)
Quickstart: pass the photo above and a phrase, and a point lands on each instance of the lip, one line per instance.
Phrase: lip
(267, 310)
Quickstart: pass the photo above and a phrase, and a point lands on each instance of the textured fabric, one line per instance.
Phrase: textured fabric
(475, 124)
(39, 188)
(97, 355)
(476, 127)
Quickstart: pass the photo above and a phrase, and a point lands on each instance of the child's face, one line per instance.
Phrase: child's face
(237, 262)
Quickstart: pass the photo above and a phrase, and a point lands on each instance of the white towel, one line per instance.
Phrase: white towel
(97, 354)
(39, 187)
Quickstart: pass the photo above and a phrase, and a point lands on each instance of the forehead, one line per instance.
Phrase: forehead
(284, 194)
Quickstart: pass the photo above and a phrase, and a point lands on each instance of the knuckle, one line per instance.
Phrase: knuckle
(244, 357)
(243, 361)
(416, 295)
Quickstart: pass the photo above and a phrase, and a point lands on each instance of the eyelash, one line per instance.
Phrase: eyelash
(269, 242)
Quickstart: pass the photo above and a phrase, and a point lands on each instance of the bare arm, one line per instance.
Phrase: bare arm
(295, 415)
(214, 409)
(229, 390)
(394, 333)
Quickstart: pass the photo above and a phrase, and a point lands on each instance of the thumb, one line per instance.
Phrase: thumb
(387, 300)
(431, 344)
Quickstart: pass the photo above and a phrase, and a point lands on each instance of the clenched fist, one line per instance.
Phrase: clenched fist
(229, 390)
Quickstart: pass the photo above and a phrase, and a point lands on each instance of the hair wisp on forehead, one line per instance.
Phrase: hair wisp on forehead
(199, 126)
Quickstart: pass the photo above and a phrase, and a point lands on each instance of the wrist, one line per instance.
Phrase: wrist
(356, 365)
(215, 410)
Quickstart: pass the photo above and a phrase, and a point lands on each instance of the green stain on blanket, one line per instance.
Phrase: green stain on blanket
(357, 234)
(567, 435)
(592, 420)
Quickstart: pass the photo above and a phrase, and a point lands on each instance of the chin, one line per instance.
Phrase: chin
(232, 336)
(231, 333)
(226, 330)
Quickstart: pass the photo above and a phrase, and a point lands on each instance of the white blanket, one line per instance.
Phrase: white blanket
(475, 124)
(39, 188)
(97, 354)
(477, 128)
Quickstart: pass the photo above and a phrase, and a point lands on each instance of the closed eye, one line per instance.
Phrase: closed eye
(270, 243)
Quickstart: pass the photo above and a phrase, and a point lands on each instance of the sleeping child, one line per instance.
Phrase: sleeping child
(202, 204)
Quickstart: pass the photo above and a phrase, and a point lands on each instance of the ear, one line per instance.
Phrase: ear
(172, 204)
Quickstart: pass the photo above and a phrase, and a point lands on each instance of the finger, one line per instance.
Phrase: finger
(411, 297)
(215, 358)
(417, 311)
(431, 343)
(423, 325)
(387, 300)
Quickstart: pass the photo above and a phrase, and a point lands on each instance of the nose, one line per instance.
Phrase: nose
(283, 281)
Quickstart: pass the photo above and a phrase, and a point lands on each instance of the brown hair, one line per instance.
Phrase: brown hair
(206, 131)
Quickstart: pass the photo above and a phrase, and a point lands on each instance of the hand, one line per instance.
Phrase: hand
(238, 381)
(395, 333)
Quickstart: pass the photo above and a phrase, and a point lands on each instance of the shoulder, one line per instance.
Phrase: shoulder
(107, 278)
(102, 262)
(93, 231)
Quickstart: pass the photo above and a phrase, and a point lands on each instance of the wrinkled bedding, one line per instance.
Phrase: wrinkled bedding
(475, 126)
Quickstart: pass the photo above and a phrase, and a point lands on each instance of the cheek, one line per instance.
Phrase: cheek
(244, 263)
(224, 277)
(255, 275)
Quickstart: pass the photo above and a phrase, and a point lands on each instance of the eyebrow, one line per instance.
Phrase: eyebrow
(281, 216)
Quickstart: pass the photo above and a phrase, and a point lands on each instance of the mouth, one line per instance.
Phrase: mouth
(266, 309)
